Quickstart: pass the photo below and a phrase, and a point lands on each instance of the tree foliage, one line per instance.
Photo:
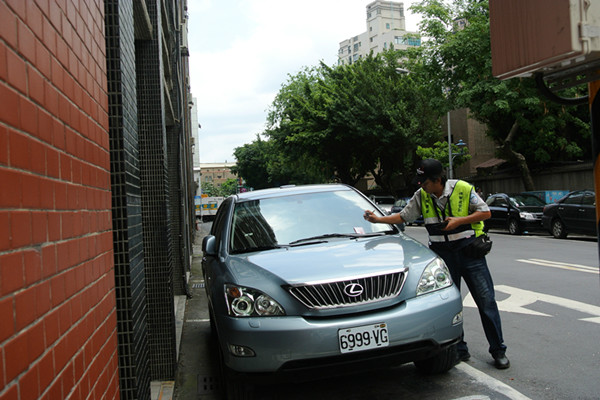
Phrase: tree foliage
(341, 122)
(354, 119)
(528, 128)
(227, 188)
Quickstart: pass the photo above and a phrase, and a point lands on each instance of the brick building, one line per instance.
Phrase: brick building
(95, 199)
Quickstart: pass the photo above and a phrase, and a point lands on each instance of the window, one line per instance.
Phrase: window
(355, 46)
(575, 198)
(589, 199)
(409, 41)
(387, 26)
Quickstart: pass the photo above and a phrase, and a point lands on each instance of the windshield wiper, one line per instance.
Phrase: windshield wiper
(337, 235)
(259, 248)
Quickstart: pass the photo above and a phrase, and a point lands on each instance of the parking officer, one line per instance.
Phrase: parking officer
(454, 215)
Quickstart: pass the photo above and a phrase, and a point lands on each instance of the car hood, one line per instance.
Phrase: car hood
(335, 260)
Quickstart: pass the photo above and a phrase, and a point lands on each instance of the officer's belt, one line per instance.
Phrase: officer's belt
(451, 237)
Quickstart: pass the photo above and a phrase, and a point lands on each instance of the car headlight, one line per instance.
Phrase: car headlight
(435, 276)
(247, 302)
(526, 215)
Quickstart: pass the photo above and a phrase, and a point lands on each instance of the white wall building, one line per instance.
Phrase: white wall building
(385, 27)
(196, 143)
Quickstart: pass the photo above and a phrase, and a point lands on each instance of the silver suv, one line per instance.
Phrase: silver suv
(298, 282)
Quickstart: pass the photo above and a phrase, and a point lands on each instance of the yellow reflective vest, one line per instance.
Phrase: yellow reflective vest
(456, 206)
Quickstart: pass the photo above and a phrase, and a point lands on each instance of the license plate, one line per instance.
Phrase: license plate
(363, 338)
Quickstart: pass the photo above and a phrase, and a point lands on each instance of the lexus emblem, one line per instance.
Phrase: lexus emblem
(353, 289)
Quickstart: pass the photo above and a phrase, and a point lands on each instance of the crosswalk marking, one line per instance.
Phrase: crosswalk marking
(561, 265)
(518, 299)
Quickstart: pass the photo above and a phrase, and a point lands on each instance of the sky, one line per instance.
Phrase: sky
(242, 52)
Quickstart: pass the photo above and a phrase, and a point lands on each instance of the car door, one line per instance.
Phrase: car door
(569, 211)
(499, 209)
(587, 212)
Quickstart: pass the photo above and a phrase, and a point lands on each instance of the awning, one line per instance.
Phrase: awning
(492, 162)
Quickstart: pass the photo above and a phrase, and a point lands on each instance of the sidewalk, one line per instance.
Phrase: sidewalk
(197, 371)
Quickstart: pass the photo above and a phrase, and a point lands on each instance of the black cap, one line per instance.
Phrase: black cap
(428, 169)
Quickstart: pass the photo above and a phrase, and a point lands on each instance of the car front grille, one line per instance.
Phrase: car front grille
(351, 291)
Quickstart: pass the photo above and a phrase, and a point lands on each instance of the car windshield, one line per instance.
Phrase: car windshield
(383, 200)
(400, 203)
(279, 221)
(521, 200)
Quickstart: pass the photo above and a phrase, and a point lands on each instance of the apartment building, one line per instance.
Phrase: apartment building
(385, 27)
(216, 173)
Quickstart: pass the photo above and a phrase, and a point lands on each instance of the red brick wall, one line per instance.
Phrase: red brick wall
(58, 335)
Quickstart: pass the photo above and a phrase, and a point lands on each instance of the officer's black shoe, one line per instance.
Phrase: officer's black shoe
(463, 355)
(500, 361)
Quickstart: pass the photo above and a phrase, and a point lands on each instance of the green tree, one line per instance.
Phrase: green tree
(527, 128)
(266, 163)
(352, 119)
(229, 187)
(439, 151)
(210, 189)
(252, 163)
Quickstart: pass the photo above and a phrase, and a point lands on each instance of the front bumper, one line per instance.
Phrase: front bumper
(531, 225)
(417, 329)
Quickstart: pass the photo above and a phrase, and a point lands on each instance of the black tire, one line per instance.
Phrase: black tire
(440, 363)
(558, 229)
(233, 385)
(513, 227)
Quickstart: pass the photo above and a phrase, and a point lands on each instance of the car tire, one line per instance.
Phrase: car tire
(440, 363)
(234, 385)
(513, 227)
(558, 229)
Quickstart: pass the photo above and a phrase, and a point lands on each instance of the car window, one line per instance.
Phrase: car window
(589, 199)
(497, 202)
(575, 198)
(218, 224)
(383, 200)
(280, 220)
(522, 200)
(400, 203)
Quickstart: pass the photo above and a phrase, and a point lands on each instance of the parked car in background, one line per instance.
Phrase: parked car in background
(321, 290)
(574, 213)
(516, 212)
(399, 205)
(384, 202)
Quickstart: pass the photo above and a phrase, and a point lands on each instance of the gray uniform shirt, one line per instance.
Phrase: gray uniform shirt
(412, 210)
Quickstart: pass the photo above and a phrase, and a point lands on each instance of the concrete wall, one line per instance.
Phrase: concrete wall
(573, 177)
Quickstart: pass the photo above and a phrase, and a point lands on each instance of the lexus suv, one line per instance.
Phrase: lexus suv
(300, 284)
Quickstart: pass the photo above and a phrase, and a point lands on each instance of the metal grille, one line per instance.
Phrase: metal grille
(350, 292)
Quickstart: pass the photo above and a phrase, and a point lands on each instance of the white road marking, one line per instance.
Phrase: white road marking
(490, 382)
(198, 320)
(561, 265)
(475, 397)
(520, 298)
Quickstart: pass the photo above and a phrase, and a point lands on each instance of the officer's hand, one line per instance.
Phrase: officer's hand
(453, 223)
(370, 216)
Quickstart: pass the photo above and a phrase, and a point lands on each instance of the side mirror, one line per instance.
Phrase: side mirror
(209, 245)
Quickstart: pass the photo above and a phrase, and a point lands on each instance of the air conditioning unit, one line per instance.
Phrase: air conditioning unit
(548, 36)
